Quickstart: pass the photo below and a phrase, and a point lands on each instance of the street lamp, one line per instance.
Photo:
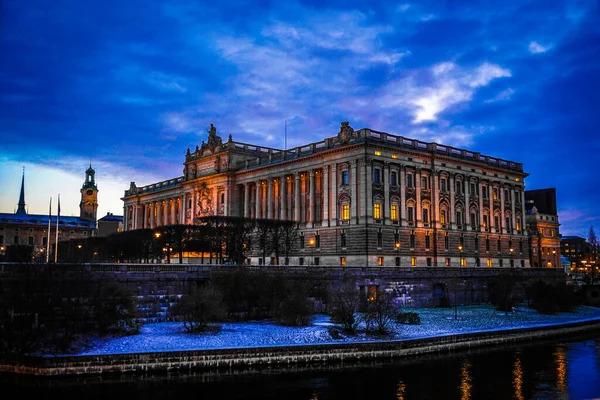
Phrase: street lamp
(460, 259)
(397, 247)
(512, 262)
(311, 244)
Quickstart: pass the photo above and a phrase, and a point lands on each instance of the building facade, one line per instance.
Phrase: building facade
(361, 198)
(39, 230)
(543, 228)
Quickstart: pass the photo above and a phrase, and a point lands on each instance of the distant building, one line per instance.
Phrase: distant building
(360, 197)
(39, 230)
(110, 224)
(577, 250)
(543, 226)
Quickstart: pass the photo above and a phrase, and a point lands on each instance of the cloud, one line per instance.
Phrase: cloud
(506, 94)
(535, 47)
(441, 86)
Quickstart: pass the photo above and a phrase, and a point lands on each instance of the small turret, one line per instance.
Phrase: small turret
(21, 209)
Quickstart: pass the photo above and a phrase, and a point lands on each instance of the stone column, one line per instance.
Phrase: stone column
(333, 195)
(312, 198)
(402, 205)
(182, 209)
(297, 216)
(257, 210)
(354, 189)
(270, 199)
(283, 199)
(435, 201)
(368, 190)
(325, 185)
(226, 201)
(385, 212)
(481, 221)
(247, 213)
(173, 202)
(418, 216)
(513, 205)
(152, 206)
(468, 202)
(523, 230)
(502, 216)
(452, 206)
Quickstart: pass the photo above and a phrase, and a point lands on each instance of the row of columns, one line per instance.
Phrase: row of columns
(155, 213)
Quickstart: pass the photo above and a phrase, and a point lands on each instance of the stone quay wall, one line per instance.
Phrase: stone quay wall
(159, 286)
(282, 356)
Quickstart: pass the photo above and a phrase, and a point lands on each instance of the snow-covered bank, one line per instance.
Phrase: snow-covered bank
(170, 336)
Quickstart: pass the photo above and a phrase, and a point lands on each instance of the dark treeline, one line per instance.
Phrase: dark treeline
(214, 239)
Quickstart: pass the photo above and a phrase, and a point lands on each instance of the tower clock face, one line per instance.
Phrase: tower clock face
(89, 192)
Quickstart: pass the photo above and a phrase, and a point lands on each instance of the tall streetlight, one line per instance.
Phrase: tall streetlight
(397, 247)
(460, 259)
(311, 244)
(512, 262)
(157, 236)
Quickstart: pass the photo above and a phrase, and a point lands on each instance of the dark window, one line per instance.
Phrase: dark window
(425, 215)
(476, 243)
(487, 244)
(379, 238)
(317, 260)
(446, 242)
(317, 241)
(427, 241)
(412, 240)
(1, 239)
(520, 246)
(301, 261)
(462, 240)
(44, 241)
(522, 263)
(394, 178)
(376, 175)
(343, 239)
(477, 262)
(397, 261)
(429, 261)
(16, 240)
(409, 214)
(344, 177)
(31, 240)
(501, 262)
(499, 245)
(443, 184)
(409, 180)
(302, 241)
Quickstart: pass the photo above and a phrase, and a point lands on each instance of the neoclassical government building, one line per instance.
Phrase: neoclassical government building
(361, 197)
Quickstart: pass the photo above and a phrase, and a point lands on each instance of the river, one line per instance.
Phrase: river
(565, 369)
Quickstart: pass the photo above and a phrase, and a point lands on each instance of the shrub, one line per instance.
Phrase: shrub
(379, 313)
(200, 308)
(344, 305)
(410, 318)
(549, 299)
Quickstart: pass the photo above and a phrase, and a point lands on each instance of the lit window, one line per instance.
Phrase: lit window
(346, 212)
(463, 262)
(413, 261)
(342, 260)
(489, 262)
(443, 217)
(394, 155)
(377, 211)
(394, 212)
(377, 153)
(447, 262)
(380, 261)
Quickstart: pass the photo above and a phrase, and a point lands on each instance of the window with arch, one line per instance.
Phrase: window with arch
(486, 220)
(497, 222)
(458, 187)
(474, 218)
(459, 217)
(377, 210)
(394, 211)
(443, 184)
(425, 212)
(344, 177)
(518, 223)
(425, 183)
(393, 178)
(410, 212)
(345, 208)
(409, 179)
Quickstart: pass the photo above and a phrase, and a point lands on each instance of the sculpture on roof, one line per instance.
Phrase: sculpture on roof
(346, 132)
(214, 140)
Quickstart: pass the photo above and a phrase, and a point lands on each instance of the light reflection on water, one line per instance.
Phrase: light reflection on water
(560, 370)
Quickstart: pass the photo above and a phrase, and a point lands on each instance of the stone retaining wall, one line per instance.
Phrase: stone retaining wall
(281, 355)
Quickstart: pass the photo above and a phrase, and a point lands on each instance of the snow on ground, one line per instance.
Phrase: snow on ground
(171, 336)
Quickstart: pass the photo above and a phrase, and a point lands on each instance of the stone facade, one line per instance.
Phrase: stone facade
(361, 198)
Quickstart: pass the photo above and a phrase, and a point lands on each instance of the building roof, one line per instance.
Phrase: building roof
(572, 238)
(41, 219)
(110, 217)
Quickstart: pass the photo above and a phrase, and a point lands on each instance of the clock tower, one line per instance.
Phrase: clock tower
(88, 207)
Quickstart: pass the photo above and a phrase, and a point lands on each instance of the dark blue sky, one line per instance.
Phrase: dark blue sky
(130, 85)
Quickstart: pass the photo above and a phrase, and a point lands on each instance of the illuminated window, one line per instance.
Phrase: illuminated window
(377, 153)
(443, 217)
(518, 222)
(413, 261)
(346, 212)
(463, 262)
(377, 211)
(447, 262)
(394, 156)
(380, 261)
(342, 260)
(489, 262)
(394, 212)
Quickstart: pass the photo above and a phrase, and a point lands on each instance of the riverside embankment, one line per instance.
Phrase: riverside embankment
(250, 357)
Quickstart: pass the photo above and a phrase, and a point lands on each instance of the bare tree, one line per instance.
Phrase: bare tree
(593, 242)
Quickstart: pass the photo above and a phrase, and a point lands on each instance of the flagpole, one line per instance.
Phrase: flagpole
(57, 218)
(49, 229)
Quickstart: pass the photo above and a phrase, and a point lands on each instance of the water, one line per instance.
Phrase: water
(567, 369)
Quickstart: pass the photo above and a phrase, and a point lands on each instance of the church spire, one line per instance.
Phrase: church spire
(21, 208)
